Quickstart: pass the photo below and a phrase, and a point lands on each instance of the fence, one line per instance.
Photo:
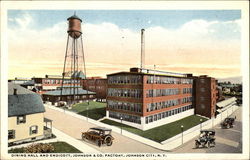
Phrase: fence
(194, 131)
(168, 144)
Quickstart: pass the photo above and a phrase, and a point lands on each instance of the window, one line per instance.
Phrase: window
(21, 119)
(146, 120)
(11, 134)
(202, 80)
(202, 89)
(125, 79)
(155, 117)
(202, 106)
(33, 130)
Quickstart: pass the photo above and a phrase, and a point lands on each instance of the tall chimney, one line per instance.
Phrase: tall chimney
(142, 49)
(15, 91)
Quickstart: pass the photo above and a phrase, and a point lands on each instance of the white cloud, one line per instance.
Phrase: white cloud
(24, 21)
(106, 45)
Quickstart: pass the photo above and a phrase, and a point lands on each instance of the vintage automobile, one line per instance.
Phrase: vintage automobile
(100, 135)
(227, 123)
(206, 138)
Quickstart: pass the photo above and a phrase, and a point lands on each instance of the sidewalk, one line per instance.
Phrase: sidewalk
(167, 145)
(73, 125)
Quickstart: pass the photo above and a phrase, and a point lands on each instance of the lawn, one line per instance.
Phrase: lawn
(96, 110)
(63, 147)
(163, 132)
(60, 147)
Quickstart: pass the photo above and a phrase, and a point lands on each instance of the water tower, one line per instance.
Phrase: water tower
(74, 63)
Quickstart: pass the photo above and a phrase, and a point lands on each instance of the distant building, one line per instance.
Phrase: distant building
(29, 85)
(97, 85)
(146, 98)
(225, 104)
(205, 96)
(19, 80)
(52, 83)
(25, 115)
(68, 95)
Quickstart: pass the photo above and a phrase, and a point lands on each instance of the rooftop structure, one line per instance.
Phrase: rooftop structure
(67, 95)
(74, 60)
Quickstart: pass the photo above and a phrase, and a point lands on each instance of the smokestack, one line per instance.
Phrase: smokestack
(142, 49)
(15, 91)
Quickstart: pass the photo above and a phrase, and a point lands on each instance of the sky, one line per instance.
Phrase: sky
(184, 41)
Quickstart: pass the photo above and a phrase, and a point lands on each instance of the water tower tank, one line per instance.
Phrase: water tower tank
(74, 26)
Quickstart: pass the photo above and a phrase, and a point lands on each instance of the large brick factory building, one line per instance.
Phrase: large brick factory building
(148, 98)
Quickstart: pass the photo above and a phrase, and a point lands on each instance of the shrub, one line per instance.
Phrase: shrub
(39, 148)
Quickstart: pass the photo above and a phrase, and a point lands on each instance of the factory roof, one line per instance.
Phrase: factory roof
(74, 17)
(23, 102)
(28, 83)
(226, 102)
(68, 91)
(144, 71)
(79, 74)
(141, 73)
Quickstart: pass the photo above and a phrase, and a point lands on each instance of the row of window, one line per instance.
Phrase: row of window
(168, 103)
(125, 117)
(161, 92)
(133, 107)
(161, 105)
(12, 133)
(162, 115)
(118, 92)
(66, 81)
(125, 79)
(167, 80)
(69, 97)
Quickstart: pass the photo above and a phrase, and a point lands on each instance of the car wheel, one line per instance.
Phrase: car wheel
(108, 140)
(99, 143)
(208, 144)
(196, 144)
(214, 143)
(83, 136)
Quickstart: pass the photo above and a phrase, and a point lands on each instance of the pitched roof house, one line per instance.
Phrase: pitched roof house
(25, 115)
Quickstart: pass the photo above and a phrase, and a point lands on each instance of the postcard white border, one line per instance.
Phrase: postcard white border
(131, 5)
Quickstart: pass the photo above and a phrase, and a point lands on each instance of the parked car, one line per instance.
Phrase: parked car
(206, 139)
(100, 135)
(228, 123)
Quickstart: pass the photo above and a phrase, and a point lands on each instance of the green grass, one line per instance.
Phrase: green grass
(60, 147)
(16, 150)
(63, 147)
(163, 132)
(96, 110)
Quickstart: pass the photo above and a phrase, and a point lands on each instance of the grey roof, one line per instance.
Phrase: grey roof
(74, 17)
(25, 102)
(78, 74)
(20, 90)
(28, 83)
(66, 91)
(71, 86)
(226, 102)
